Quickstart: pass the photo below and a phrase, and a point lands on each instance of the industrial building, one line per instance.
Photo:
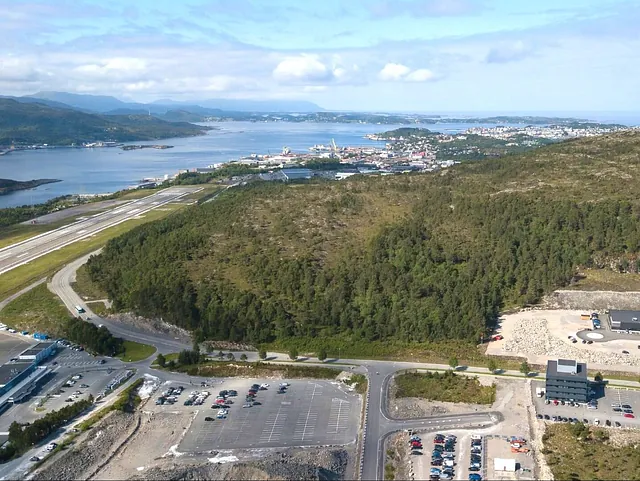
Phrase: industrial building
(19, 378)
(294, 174)
(624, 320)
(567, 380)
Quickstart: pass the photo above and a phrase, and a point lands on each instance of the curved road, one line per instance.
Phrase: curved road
(61, 286)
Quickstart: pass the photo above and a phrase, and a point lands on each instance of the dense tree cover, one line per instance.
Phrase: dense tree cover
(95, 339)
(228, 170)
(480, 237)
(24, 436)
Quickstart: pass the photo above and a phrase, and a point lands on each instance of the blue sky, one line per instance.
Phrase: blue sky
(371, 55)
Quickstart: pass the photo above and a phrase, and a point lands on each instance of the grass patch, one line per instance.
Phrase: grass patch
(257, 370)
(135, 351)
(99, 308)
(37, 310)
(20, 277)
(85, 287)
(445, 386)
(590, 456)
(607, 280)
(168, 358)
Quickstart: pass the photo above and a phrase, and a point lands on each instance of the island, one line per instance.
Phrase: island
(7, 185)
(138, 147)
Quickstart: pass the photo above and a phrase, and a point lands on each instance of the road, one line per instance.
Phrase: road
(61, 286)
(26, 251)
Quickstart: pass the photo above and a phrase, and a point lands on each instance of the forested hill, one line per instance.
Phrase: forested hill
(412, 258)
(32, 123)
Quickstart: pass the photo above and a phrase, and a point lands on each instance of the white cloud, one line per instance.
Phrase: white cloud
(398, 72)
(393, 71)
(302, 69)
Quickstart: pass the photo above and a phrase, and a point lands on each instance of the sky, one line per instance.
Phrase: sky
(363, 55)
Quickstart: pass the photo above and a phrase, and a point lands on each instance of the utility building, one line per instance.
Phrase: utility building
(624, 320)
(567, 380)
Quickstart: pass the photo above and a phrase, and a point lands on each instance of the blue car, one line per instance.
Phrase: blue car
(475, 477)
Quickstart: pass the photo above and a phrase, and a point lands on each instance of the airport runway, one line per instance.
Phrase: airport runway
(26, 251)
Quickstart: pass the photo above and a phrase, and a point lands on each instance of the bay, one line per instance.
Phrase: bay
(104, 170)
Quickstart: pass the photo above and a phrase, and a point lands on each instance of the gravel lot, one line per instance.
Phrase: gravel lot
(540, 335)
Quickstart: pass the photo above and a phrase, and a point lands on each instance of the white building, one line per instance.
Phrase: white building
(504, 465)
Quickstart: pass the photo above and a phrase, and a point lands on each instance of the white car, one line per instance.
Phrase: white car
(51, 446)
(596, 422)
(283, 384)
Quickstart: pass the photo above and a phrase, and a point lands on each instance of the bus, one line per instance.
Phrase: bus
(79, 309)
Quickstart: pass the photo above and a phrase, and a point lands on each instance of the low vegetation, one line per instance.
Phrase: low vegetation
(22, 437)
(359, 381)
(197, 365)
(128, 400)
(85, 287)
(576, 452)
(445, 386)
(38, 310)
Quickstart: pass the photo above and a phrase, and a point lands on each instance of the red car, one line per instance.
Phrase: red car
(628, 415)
(416, 444)
(499, 337)
(438, 441)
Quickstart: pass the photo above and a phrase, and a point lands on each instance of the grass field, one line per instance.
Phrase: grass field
(135, 351)
(22, 276)
(85, 288)
(589, 456)
(606, 280)
(37, 310)
(446, 386)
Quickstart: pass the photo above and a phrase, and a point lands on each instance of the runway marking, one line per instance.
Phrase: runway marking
(82, 231)
(23, 254)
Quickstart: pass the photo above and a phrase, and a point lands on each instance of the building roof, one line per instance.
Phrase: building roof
(10, 370)
(552, 368)
(36, 349)
(625, 316)
(297, 173)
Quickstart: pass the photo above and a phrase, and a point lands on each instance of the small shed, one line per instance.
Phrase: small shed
(504, 465)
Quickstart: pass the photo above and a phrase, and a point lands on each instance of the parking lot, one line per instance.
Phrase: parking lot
(309, 413)
(605, 412)
(435, 465)
(69, 358)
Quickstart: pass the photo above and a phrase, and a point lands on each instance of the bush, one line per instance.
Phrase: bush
(161, 360)
(322, 354)
(293, 353)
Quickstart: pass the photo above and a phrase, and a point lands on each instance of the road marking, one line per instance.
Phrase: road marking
(23, 254)
(82, 231)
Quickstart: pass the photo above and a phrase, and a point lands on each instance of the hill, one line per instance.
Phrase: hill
(27, 124)
(411, 258)
(106, 103)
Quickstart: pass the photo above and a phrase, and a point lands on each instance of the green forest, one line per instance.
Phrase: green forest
(413, 258)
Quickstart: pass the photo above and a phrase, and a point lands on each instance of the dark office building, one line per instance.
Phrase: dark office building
(567, 380)
(624, 320)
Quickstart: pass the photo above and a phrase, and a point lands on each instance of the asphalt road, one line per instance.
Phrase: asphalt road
(26, 251)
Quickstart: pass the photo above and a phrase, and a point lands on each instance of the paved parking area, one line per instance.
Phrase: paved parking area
(310, 413)
(497, 446)
(69, 358)
(606, 397)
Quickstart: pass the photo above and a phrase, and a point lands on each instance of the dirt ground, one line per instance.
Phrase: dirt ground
(398, 455)
(89, 450)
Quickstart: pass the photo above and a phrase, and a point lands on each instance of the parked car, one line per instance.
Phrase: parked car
(208, 418)
(628, 415)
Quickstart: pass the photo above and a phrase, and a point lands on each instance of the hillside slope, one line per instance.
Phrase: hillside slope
(409, 258)
(32, 123)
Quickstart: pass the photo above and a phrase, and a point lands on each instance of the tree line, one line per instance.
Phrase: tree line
(93, 338)
(22, 437)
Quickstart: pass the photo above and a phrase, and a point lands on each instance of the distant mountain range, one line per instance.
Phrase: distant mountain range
(107, 104)
(28, 123)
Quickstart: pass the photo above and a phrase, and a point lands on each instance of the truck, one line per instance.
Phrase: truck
(539, 391)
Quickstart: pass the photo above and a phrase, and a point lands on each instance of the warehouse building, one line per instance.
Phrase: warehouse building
(296, 174)
(624, 320)
(567, 381)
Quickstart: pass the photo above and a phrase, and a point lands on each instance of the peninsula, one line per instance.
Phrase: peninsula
(7, 185)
